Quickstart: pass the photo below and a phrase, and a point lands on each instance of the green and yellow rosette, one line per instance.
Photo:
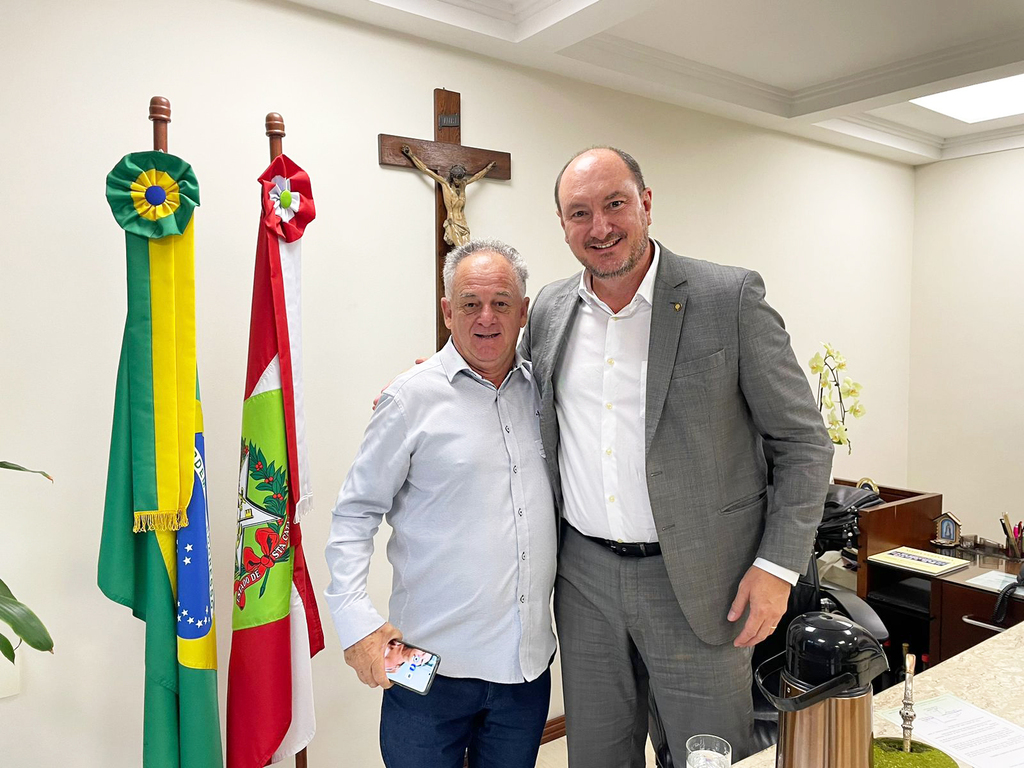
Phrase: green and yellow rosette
(153, 196)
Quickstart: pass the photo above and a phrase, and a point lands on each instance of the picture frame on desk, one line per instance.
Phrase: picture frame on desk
(947, 530)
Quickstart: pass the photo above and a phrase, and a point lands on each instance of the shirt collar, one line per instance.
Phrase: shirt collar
(452, 362)
(644, 292)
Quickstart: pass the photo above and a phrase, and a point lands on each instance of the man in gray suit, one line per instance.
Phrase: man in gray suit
(664, 381)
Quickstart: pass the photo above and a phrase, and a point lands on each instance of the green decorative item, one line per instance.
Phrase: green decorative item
(17, 615)
(888, 753)
(152, 194)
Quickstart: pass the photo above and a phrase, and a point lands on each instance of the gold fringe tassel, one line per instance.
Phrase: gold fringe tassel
(160, 521)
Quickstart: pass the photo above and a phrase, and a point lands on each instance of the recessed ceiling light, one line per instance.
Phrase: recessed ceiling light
(977, 103)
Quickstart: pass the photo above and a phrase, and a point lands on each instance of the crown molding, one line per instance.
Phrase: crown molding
(511, 20)
(968, 62)
(527, 9)
(897, 130)
(926, 150)
(500, 10)
(998, 140)
(617, 53)
(922, 143)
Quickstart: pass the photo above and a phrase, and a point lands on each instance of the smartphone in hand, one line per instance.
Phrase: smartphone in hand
(410, 667)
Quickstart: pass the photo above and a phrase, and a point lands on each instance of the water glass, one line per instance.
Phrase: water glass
(706, 751)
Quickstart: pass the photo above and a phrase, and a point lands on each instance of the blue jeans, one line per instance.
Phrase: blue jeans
(500, 724)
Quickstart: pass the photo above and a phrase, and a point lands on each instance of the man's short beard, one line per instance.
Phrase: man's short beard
(635, 255)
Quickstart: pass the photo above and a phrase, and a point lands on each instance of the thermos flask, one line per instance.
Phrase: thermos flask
(824, 692)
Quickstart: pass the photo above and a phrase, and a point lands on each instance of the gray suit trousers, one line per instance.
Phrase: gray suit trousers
(623, 638)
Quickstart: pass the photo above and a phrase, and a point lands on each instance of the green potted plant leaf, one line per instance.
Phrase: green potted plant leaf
(18, 616)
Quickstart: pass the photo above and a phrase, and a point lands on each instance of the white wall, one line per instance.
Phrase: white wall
(826, 227)
(966, 368)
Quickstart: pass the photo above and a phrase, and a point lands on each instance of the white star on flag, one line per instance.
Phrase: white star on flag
(188, 561)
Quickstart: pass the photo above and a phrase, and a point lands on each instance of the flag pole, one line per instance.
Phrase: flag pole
(160, 114)
(275, 131)
(274, 124)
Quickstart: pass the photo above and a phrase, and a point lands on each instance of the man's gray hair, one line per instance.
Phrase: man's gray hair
(456, 255)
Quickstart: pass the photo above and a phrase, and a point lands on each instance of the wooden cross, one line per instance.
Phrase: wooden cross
(440, 155)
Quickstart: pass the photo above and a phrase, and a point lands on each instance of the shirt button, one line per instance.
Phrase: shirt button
(506, 428)
(524, 555)
(515, 469)
(611, 499)
(520, 511)
(608, 406)
(608, 451)
(522, 598)
(611, 361)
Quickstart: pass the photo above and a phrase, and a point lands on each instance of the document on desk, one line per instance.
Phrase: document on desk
(971, 735)
(992, 580)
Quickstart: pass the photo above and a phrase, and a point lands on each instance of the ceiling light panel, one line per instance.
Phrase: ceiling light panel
(981, 102)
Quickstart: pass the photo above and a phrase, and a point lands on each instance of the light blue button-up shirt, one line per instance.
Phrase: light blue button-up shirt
(457, 466)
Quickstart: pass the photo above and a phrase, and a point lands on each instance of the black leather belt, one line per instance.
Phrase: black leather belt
(626, 548)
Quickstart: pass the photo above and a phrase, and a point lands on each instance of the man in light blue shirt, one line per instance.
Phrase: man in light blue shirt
(453, 457)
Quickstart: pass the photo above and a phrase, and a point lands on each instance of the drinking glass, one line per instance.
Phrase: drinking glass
(707, 751)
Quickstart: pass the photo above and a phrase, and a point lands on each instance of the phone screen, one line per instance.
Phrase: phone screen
(409, 666)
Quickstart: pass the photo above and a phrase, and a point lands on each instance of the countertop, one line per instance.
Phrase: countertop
(990, 675)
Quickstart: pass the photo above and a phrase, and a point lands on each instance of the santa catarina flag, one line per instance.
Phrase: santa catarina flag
(155, 545)
(275, 624)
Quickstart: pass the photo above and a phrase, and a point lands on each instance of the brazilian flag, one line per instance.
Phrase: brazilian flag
(155, 546)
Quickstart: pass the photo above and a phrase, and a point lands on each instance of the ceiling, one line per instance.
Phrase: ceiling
(837, 71)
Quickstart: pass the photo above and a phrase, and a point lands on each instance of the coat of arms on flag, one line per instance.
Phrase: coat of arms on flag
(276, 626)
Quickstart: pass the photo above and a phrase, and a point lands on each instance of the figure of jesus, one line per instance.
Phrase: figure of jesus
(456, 228)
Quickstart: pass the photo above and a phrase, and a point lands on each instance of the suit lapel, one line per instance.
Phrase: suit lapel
(560, 320)
(669, 306)
(562, 315)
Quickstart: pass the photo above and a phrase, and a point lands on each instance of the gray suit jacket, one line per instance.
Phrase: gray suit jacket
(723, 388)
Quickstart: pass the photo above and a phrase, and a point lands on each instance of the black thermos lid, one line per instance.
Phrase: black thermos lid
(821, 646)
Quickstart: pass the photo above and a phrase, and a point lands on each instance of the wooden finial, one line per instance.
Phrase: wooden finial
(160, 114)
(275, 130)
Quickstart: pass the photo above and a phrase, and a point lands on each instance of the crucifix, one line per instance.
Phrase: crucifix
(453, 167)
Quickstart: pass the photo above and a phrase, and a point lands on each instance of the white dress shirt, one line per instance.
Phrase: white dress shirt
(601, 402)
(458, 467)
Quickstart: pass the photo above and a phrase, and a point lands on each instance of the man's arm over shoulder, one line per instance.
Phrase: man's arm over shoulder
(378, 472)
(784, 413)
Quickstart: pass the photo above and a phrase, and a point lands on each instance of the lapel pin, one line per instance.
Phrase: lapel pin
(677, 306)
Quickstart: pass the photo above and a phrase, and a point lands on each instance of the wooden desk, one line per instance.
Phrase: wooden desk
(989, 675)
(907, 519)
(962, 612)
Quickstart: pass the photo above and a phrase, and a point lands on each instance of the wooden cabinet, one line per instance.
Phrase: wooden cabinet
(907, 519)
(963, 618)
